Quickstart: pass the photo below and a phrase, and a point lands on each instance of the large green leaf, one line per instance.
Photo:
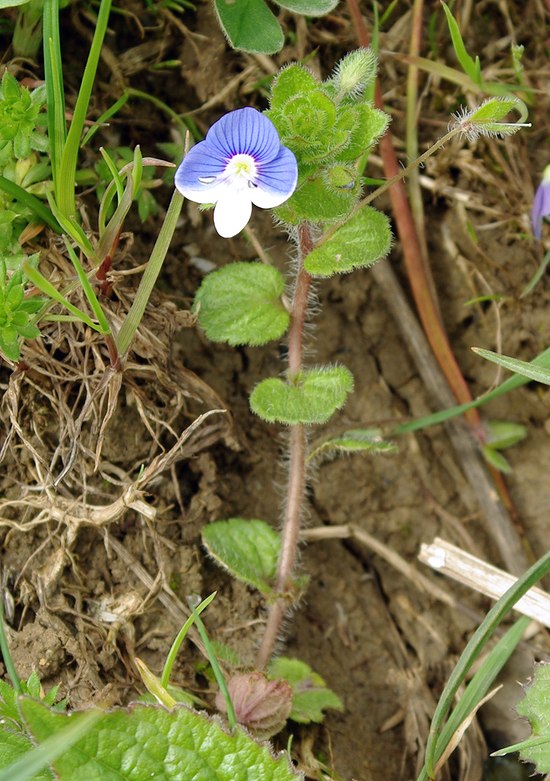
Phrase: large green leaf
(145, 742)
(249, 549)
(311, 398)
(241, 304)
(250, 25)
(360, 242)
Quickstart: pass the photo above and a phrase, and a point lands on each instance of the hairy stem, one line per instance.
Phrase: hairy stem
(297, 466)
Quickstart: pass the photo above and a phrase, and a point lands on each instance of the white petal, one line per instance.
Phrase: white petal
(232, 212)
(266, 199)
(205, 194)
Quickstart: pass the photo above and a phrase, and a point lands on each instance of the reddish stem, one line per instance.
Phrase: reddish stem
(297, 466)
(419, 280)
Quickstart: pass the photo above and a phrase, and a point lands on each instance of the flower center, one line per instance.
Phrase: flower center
(241, 170)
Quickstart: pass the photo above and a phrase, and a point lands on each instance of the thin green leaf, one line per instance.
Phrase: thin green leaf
(65, 189)
(89, 291)
(147, 283)
(470, 67)
(53, 71)
(524, 368)
(31, 202)
(180, 637)
(472, 651)
(512, 383)
(102, 119)
(480, 685)
(46, 287)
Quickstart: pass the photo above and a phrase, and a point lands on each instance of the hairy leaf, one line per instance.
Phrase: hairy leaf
(360, 242)
(241, 304)
(534, 707)
(250, 26)
(314, 396)
(249, 549)
(308, 7)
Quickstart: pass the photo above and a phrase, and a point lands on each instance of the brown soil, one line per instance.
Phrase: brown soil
(90, 593)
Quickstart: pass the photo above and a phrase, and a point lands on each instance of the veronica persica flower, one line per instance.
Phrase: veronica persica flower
(240, 162)
(541, 203)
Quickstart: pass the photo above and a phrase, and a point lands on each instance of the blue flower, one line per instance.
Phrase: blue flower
(241, 162)
(541, 203)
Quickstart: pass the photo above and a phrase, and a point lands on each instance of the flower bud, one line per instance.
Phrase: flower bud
(261, 705)
(354, 72)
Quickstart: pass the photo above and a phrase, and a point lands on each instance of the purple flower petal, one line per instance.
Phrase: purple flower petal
(276, 180)
(541, 207)
(199, 163)
(246, 132)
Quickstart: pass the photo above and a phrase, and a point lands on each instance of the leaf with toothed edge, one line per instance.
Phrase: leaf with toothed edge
(249, 549)
(312, 398)
(143, 741)
(360, 242)
(241, 304)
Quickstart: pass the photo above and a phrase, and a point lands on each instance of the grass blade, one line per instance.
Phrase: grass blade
(473, 649)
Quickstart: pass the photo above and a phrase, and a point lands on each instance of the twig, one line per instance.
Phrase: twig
(477, 574)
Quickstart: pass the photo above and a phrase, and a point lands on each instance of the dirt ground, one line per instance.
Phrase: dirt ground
(97, 577)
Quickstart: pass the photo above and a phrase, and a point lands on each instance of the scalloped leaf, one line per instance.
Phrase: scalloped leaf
(317, 201)
(364, 239)
(291, 81)
(534, 707)
(250, 25)
(249, 549)
(241, 304)
(310, 694)
(369, 125)
(312, 398)
(146, 741)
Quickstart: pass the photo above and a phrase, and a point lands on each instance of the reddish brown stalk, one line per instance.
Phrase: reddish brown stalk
(419, 277)
(297, 465)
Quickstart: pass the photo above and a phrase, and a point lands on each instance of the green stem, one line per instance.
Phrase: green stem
(5, 649)
(134, 316)
(220, 680)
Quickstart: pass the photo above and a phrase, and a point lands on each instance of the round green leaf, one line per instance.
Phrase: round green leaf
(250, 25)
(248, 549)
(364, 239)
(241, 304)
(311, 398)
